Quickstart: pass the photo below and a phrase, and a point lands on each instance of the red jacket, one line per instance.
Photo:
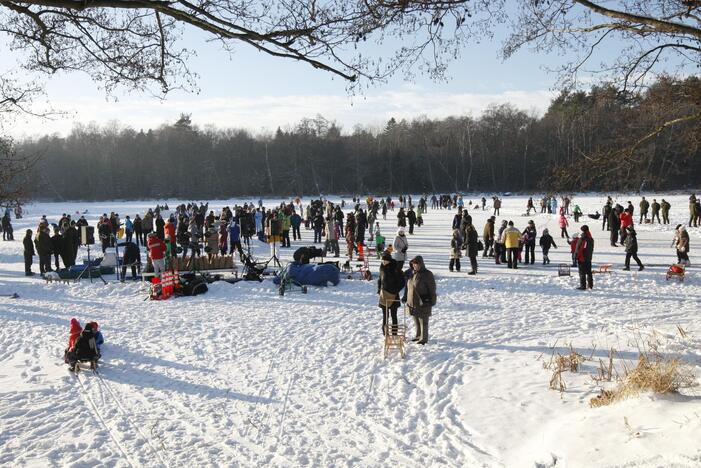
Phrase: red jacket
(76, 329)
(156, 248)
(626, 220)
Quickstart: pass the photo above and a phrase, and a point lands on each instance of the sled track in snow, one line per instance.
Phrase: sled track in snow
(102, 384)
(86, 396)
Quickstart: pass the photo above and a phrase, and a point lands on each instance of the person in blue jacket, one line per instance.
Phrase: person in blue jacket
(99, 339)
(128, 228)
(235, 238)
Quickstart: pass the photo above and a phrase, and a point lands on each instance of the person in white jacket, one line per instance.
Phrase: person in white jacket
(400, 246)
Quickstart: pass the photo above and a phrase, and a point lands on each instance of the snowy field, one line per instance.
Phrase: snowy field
(243, 377)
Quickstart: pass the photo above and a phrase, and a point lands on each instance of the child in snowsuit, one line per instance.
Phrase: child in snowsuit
(563, 226)
(573, 247)
(546, 241)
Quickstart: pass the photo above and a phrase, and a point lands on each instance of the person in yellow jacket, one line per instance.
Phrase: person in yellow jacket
(511, 240)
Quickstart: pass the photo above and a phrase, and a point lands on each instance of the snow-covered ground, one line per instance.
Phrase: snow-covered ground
(243, 377)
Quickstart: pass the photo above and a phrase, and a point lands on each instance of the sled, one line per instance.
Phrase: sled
(395, 336)
(677, 271)
(362, 269)
(92, 362)
(604, 268)
(563, 269)
(11, 296)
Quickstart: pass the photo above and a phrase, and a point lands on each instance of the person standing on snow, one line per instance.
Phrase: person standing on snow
(546, 241)
(584, 250)
(421, 298)
(389, 285)
(400, 246)
(631, 245)
(455, 250)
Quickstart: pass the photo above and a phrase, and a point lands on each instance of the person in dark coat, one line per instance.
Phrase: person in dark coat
(160, 227)
(584, 250)
(28, 253)
(546, 241)
(470, 238)
(401, 218)
(57, 247)
(43, 247)
(131, 256)
(72, 243)
(139, 230)
(614, 222)
(421, 297)
(389, 285)
(411, 217)
(529, 235)
(631, 245)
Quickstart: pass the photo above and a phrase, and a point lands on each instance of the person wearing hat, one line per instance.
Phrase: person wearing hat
(389, 285)
(401, 245)
(421, 297)
(157, 251)
(584, 251)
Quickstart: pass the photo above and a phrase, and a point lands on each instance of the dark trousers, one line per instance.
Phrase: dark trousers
(512, 257)
(586, 279)
(389, 311)
(656, 215)
(286, 238)
(129, 235)
(614, 236)
(27, 263)
(236, 245)
(44, 263)
(133, 271)
(140, 238)
(411, 228)
(665, 217)
(604, 222)
(487, 246)
(563, 233)
(530, 253)
(473, 263)
(642, 217)
(317, 236)
(454, 263)
(56, 257)
(295, 233)
(634, 255)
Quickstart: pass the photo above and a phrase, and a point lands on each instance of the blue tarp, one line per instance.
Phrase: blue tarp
(313, 275)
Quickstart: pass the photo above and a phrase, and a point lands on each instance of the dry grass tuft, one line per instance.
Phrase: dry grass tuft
(656, 374)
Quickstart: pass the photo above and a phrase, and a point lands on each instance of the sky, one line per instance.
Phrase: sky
(260, 93)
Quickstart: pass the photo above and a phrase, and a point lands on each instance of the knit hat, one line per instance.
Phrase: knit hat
(585, 228)
(386, 255)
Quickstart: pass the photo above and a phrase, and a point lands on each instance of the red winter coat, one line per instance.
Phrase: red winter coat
(626, 220)
(76, 329)
(156, 248)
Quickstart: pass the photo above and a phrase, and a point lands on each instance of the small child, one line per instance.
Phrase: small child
(573, 247)
(455, 250)
(546, 241)
(563, 226)
(379, 241)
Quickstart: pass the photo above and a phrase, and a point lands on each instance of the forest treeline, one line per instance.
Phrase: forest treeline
(601, 139)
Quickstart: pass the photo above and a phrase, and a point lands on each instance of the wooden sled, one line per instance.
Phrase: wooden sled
(677, 271)
(395, 337)
(604, 268)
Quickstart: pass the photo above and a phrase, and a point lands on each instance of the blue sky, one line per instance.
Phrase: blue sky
(260, 93)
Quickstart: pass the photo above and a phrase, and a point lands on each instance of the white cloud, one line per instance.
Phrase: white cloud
(269, 112)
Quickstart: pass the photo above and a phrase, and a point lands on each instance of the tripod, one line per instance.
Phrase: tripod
(89, 269)
(274, 258)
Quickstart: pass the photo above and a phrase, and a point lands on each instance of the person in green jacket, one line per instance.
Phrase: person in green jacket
(664, 207)
(286, 225)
